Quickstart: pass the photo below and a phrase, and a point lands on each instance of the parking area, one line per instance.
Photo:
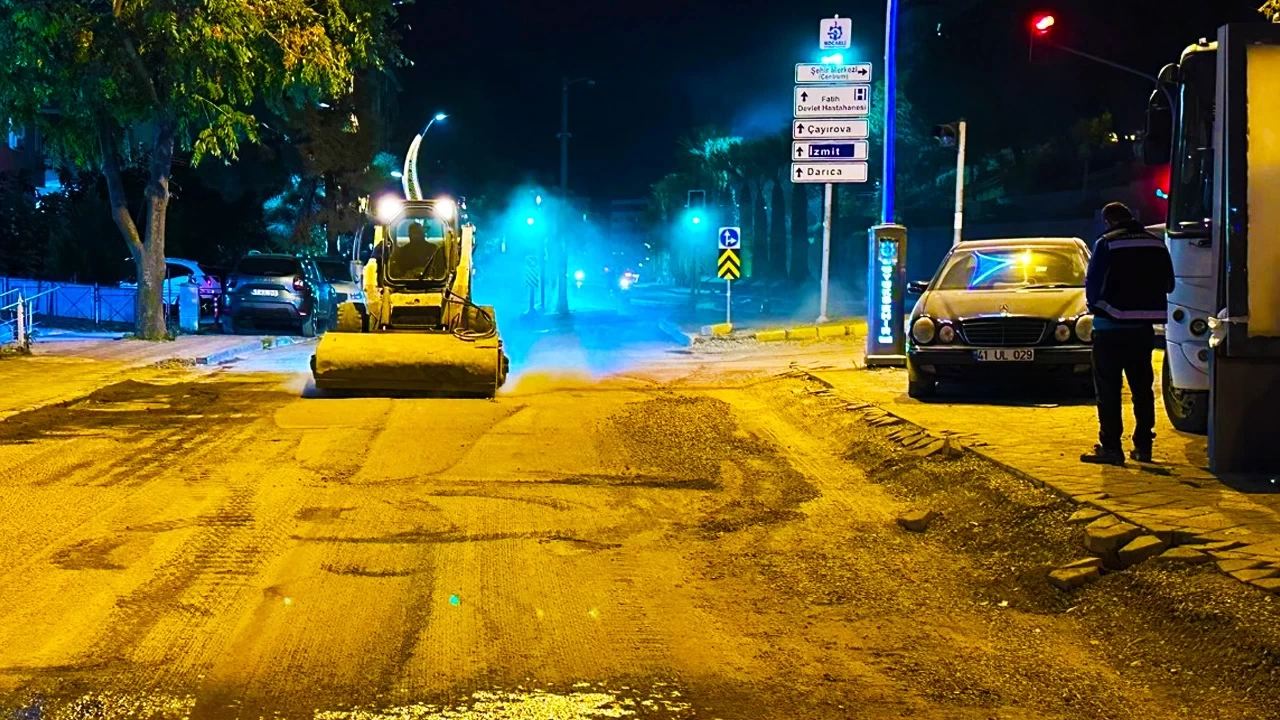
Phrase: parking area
(1041, 437)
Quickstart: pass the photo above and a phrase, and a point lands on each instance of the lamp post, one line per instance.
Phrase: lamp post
(887, 251)
(562, 299)
(409, 177)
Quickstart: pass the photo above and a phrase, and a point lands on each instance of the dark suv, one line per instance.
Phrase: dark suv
(279, 290)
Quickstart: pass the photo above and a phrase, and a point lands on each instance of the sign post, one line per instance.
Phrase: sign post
(832, 102)
(729, 265)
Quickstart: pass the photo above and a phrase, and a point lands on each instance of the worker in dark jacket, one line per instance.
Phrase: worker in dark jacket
(1127, 285)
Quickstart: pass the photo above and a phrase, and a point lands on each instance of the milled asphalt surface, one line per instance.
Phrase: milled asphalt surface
(630, 530)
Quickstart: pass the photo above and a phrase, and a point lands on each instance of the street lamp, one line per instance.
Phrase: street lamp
(562, 299)
(409, 178)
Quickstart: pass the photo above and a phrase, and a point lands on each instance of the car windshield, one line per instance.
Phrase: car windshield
(268, 266)
(1013, 268)
(335, 270)
(418, 250)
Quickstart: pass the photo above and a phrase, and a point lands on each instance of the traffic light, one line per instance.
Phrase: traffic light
(1041, 24)
(946, 135)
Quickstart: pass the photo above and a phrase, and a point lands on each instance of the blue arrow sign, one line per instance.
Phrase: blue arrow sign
(831, 150)
(844, 150)
(730, 238)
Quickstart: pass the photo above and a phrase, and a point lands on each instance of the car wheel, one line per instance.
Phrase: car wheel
(922, 388)
(920, 384)
(228, 327)
(1188, 410)
(309, 327)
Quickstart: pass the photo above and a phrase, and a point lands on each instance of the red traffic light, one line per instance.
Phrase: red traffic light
(1042, 24)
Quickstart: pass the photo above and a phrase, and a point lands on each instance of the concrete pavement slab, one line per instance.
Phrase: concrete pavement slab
(1177, 500)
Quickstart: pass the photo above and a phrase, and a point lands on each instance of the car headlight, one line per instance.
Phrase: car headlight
(923, 330)
(1062, 333)
(946, 334)
(1084, 328)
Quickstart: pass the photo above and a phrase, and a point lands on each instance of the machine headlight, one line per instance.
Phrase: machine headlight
(389, 206)
(1062, 333)
(445, 208)
(946, 334)
(923, 330)
(1084, 328)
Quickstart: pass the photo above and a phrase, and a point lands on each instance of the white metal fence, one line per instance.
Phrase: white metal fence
(99, 304)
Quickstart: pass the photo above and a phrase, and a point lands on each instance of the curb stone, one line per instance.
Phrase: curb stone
(266, 343)
(674, 332)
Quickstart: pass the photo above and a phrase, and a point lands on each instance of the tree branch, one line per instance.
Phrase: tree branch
(139, 68)
(115, 187)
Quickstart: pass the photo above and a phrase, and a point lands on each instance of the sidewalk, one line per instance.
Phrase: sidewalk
(1176, 498)
(65, 370)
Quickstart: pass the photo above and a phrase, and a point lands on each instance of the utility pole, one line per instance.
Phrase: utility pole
(964, 127)
(562, 263)
(956, 136)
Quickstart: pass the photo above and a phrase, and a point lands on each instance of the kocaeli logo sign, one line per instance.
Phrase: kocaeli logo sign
(887, 266)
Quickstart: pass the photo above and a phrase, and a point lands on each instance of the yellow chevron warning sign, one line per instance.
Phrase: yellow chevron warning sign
(730, 265)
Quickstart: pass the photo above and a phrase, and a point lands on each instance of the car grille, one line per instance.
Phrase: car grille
(1003, 331)
(424, 317)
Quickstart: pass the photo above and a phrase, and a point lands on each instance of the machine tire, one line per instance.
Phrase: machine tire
(350, 319)
(308, 328)
(1188, 410)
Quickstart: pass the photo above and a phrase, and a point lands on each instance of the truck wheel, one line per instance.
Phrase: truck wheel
(1188, 410)
(350, 319)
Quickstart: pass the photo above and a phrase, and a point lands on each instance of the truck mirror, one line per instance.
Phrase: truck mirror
(1157, 137)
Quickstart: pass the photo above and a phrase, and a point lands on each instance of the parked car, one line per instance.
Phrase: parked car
(279, 290)
(179, 272)
(343, 278)
(1002, 310)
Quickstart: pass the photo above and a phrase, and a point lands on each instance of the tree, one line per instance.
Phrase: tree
(799, 233)
(105, 79)
(1271, 9)
(1089, 134)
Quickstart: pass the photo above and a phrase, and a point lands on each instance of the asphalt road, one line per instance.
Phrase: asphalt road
(629, 531)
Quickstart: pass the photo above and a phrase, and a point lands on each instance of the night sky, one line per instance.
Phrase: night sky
(664, 67)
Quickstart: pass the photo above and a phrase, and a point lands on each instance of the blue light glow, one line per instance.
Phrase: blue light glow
(989, 265)
(887, 266)
(836, 59)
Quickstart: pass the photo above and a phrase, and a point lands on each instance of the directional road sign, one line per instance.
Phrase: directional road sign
(833, 74)
(829, 172)
(853, 129)
(730, 238)
(835, 33)
(729, 267)
(832, 102)
(829, 150)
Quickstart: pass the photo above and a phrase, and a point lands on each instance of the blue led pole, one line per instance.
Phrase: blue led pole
(890, 108)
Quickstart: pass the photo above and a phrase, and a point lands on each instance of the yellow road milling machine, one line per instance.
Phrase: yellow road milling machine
(416, 330)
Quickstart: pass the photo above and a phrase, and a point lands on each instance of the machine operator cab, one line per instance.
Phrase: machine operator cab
(419, 252)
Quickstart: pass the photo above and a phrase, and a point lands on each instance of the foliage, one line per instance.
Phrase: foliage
(103, 80)
(1271, 9)
(333, 150)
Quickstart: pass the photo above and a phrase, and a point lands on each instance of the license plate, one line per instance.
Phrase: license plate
(1005, 355)
(265, 293)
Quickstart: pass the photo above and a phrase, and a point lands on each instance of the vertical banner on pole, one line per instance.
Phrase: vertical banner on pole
(886, 288)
